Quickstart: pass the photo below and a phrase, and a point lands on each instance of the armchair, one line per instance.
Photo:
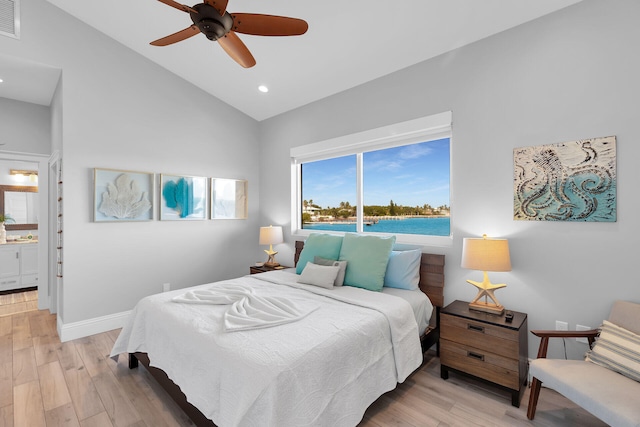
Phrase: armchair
(605, 393)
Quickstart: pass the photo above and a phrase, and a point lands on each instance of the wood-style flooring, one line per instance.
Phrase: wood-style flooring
(18, 302)
(44, 382)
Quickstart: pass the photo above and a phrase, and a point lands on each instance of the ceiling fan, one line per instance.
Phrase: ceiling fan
(211, 19)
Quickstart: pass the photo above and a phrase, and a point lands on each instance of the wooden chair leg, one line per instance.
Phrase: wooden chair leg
(533, 398)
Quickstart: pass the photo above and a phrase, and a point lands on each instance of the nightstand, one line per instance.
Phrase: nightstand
(485, 346)
(254, 269)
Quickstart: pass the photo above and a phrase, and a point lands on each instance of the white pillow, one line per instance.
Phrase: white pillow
(319, 275)
(342, 264)
(617, 349)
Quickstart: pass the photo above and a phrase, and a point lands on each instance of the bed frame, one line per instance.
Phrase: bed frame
(431, 283)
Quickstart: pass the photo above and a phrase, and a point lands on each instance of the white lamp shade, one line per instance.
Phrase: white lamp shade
(486, 254)
(271, 235)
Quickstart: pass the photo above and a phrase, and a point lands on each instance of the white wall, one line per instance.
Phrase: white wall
(566, 76)
(115, 109)
(25, 127)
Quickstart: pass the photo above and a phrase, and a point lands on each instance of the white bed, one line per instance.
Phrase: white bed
(268, 350)
(322, 370)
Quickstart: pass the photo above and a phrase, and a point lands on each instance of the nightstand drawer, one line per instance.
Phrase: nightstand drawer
(480, 335)
(485, 346)
(254, 269)
(481, 363)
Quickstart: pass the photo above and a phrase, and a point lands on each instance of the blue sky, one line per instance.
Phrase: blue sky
(411, 175)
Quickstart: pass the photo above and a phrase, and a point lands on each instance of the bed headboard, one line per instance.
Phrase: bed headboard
(431, 275)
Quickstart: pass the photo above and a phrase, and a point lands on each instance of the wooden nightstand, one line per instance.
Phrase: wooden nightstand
(254, 269)
(485, 346)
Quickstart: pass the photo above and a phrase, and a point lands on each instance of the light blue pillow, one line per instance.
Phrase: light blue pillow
(319, 244)
(367, 258)
(403, 270)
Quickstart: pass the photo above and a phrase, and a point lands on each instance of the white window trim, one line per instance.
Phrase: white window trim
(404, 133)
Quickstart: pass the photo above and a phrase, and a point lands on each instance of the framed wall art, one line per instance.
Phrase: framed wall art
(229, 198)
(120, 195)
(183, 197)
(571, 181)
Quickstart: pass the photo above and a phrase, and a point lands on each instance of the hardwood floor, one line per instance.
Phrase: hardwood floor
(18, 302)
(44, 382)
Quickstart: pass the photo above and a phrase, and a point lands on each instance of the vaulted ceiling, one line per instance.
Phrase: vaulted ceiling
(348, 42)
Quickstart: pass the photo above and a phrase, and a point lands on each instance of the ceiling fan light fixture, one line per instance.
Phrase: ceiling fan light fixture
(212, 20)
(263, 88)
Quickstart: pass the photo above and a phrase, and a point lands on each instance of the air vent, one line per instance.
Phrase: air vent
(10, 18)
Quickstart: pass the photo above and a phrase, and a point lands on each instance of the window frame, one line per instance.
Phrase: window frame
(423, 129)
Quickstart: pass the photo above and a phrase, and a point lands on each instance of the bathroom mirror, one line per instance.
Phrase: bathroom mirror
(21, 203)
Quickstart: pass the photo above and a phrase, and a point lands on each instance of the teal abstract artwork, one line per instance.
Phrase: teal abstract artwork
(183, 197)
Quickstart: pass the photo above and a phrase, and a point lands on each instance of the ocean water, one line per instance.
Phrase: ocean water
(427, 226)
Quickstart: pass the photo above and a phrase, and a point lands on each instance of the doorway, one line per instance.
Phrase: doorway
(24, 282)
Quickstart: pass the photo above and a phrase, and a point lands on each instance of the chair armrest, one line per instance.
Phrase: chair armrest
(590, 335)
(566, 334)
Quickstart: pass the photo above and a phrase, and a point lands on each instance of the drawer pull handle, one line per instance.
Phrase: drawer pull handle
(476, 328)
(475, 355)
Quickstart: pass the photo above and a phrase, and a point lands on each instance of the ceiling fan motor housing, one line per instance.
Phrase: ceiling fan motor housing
(209, 21)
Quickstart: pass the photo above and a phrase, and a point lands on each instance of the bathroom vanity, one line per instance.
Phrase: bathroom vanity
(18, 265)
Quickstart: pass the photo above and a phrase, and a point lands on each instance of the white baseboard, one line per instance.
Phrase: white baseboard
(97, 325)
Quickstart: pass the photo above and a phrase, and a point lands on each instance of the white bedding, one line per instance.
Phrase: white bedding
(419, 301)
(322, 370)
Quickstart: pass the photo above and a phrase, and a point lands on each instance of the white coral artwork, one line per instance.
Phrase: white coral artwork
(124, 200)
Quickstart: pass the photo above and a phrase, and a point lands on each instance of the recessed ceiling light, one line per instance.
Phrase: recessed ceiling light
(1, 80)
(263, 89)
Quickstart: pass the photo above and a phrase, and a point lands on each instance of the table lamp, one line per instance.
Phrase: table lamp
(486, 255)
(271, 236)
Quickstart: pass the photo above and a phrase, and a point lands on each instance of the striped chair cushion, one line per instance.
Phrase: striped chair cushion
(617, 349)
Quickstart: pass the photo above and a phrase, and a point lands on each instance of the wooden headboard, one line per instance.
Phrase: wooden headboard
(431, 275)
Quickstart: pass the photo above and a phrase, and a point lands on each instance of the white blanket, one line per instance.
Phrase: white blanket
(248, 310)
(322, 370)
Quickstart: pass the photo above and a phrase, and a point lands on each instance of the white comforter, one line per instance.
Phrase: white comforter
(322, 370)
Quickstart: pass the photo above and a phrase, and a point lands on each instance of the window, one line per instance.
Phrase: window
(391, 180)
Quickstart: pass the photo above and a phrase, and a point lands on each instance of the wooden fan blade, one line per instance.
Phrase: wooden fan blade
(219, 5)
(177, 37)
(268, 25)
(182, 7)
(237, 50)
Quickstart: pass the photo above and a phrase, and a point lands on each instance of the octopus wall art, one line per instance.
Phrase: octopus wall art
(571, 181)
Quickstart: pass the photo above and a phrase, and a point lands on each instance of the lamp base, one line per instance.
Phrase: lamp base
(486, 289)
(486, 307)
(271, 261)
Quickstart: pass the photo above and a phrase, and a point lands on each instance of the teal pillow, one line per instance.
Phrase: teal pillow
(367, 258)
(318, 244)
